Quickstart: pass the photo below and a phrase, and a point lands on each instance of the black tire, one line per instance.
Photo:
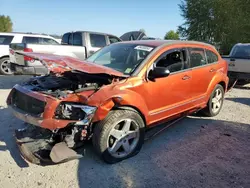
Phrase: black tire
(103, 128)
(208, 110)
(3, 70)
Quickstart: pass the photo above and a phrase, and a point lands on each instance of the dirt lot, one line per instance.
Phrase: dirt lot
(195, 152)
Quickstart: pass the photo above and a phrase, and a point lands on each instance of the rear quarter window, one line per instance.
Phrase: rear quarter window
(97, 40)
(5, 39)
(211, 57)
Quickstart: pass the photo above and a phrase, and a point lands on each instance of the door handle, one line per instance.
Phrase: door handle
(186, 77)
(212, 70)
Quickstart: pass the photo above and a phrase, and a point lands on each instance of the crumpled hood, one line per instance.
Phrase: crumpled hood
(58, 63)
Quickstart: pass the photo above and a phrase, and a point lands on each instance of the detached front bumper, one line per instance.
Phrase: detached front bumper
(36, 146)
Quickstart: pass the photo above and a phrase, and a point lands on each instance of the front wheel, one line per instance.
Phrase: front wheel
(215, 102)
(119, 136)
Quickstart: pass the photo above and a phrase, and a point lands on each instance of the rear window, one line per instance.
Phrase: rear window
(97, 40)
(31, 40)
(5, 39)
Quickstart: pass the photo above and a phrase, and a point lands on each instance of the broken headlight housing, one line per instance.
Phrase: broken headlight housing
(77, 112)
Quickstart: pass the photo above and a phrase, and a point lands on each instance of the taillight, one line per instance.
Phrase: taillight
(12, 51)
(25, 57)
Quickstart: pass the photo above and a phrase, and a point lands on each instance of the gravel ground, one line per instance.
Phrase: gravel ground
(196, 152)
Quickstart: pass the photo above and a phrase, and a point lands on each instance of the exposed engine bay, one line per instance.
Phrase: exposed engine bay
(59, 85)
(40, 145)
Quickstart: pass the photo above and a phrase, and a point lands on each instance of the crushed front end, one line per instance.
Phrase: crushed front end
(59, 120)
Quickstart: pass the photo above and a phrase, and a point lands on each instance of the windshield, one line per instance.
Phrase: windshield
(241, 51)
(122, 57)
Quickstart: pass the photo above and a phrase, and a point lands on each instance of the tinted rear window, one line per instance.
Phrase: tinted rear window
(97, 40)
(5, 39)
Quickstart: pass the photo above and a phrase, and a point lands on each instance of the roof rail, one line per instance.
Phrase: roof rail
(30, 33)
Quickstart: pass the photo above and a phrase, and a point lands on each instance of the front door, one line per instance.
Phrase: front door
(169, 95)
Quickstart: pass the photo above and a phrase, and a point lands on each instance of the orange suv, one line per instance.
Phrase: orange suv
(114, 96)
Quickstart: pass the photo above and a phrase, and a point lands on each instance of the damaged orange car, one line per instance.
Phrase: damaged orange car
(114, 96)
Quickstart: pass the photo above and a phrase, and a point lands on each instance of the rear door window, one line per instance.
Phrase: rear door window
(5, 39)
(97, 40)
(197, 57)
(31, 40)
(211, 57)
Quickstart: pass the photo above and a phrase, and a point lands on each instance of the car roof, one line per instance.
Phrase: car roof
(243, 44)
(93, 32)
(26, 34)
(157, 43)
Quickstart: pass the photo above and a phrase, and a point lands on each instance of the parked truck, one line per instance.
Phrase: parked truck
(79, 44)
(239, 63)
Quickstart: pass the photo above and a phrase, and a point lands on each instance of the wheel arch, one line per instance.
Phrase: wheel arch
(132, 108)
(129, 102)
(5, 56)
(218, 79)
(223, 84)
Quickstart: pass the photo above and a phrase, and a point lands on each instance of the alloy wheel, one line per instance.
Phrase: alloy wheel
(5, 67)
(217, 100)
(123, 138)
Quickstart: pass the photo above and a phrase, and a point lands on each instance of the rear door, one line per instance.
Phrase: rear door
(203, 71)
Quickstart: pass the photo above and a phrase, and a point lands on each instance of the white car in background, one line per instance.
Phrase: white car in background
(7, 38)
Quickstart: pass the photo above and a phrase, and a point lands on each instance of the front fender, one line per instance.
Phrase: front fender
(105, 100)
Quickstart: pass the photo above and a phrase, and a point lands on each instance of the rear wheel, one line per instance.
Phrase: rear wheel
(215, 102)
(5, 66)
(119, 136)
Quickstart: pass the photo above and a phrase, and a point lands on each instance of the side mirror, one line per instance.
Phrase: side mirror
(158, 72)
